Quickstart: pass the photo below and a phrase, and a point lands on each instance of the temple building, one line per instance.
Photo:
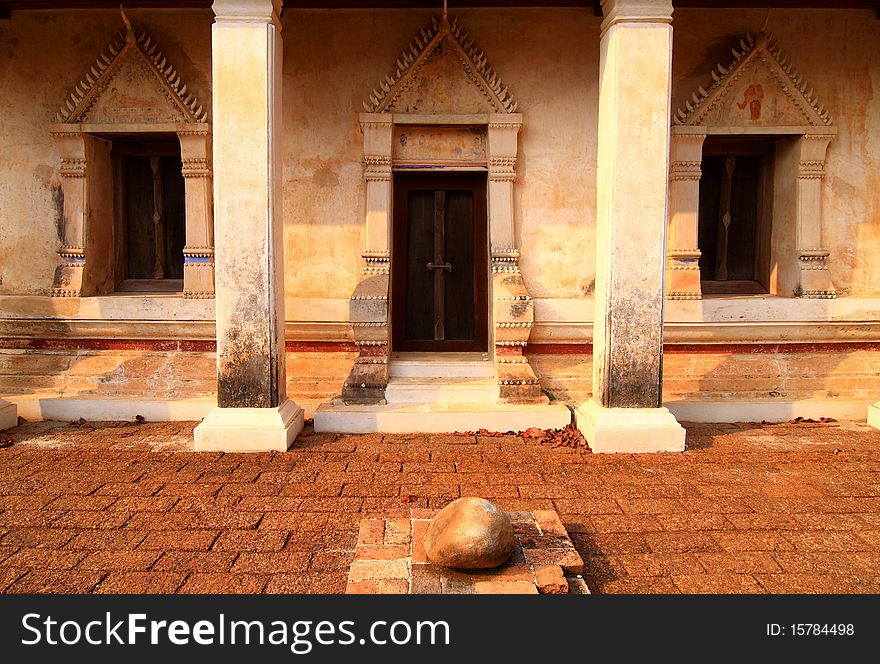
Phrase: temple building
(406, 217)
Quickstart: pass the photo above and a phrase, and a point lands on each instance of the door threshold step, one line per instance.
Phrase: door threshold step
(439, 417)
(442, 390)
(441, 365)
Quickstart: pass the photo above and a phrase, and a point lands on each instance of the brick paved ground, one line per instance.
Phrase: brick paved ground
(128, 508)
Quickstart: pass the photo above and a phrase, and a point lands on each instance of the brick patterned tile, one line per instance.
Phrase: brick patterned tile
(180, 540)
(143, 504)
(638, 586)
(108, 540)
(822, 584)
(680, 542)
(743, 562)
(141, 582)
(625, 523)
(196, 561)
(283, 562)
(672, 564)
(288, 584)
(753, 540)
(119, 560)
(251, 540)
(635, 519)
(718, 583)
(38, 537)
(331, 561)
(683, 521)
(107, 520)
(43, 559)
(609, 544)
(828, 541)
(225, 583)
(9, 575)
(56, 582)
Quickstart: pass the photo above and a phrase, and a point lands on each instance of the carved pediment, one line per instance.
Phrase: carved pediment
(759, 88)
(441, 71)
(132, 82)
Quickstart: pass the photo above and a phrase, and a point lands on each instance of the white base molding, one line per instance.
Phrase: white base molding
(629, 430)
(37, 407)
(439, 417)
(249, 429)
(770, 411)
(8, 415)
(874, 415)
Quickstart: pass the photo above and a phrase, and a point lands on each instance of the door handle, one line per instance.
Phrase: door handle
(444, 266)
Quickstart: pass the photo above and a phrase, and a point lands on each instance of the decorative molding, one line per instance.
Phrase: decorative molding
(811, 169)
(788, 79)
(685, 170)
(195, 167)
(73, 168)
(683, 295)
(409, 64)
(376, 263)
(96, 80)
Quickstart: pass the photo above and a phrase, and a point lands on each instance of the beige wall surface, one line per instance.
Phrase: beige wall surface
(332, 62)
(333, 59)
(837, 52)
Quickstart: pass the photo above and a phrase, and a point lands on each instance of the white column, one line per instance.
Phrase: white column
(254, 412)
(624, 414)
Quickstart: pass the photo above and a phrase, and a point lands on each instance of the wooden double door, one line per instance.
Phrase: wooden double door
(439, 262)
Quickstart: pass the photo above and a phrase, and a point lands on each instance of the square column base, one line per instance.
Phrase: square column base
(629, 430)
(249, 429)
(874, 415)
(8, 415)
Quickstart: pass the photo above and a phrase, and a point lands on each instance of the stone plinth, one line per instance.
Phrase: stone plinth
(390, 559)
(629, 430)
(250, 429)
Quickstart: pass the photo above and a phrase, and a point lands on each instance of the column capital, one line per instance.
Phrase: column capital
(247, 11)
(635, 11)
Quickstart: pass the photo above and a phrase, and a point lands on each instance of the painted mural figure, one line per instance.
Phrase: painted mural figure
(752, 98)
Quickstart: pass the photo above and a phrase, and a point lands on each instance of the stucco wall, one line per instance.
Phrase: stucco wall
(837, 52)
(43, 54)
(333, 59)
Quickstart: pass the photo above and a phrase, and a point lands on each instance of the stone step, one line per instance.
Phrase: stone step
(439, 417)
(441, 390)
(441, 365)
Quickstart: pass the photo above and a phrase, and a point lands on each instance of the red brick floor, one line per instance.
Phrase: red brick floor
(129, 508)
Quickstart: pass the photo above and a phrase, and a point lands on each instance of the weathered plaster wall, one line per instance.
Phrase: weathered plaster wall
(762, 374)
(837, 52)
(312, 377)
(549, 58)
(43, 54)
(333, 60)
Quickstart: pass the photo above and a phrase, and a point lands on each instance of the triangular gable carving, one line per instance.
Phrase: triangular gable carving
(132, 82)
(442, 70)
(759, 87)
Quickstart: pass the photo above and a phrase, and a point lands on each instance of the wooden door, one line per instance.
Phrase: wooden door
(439, 262)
